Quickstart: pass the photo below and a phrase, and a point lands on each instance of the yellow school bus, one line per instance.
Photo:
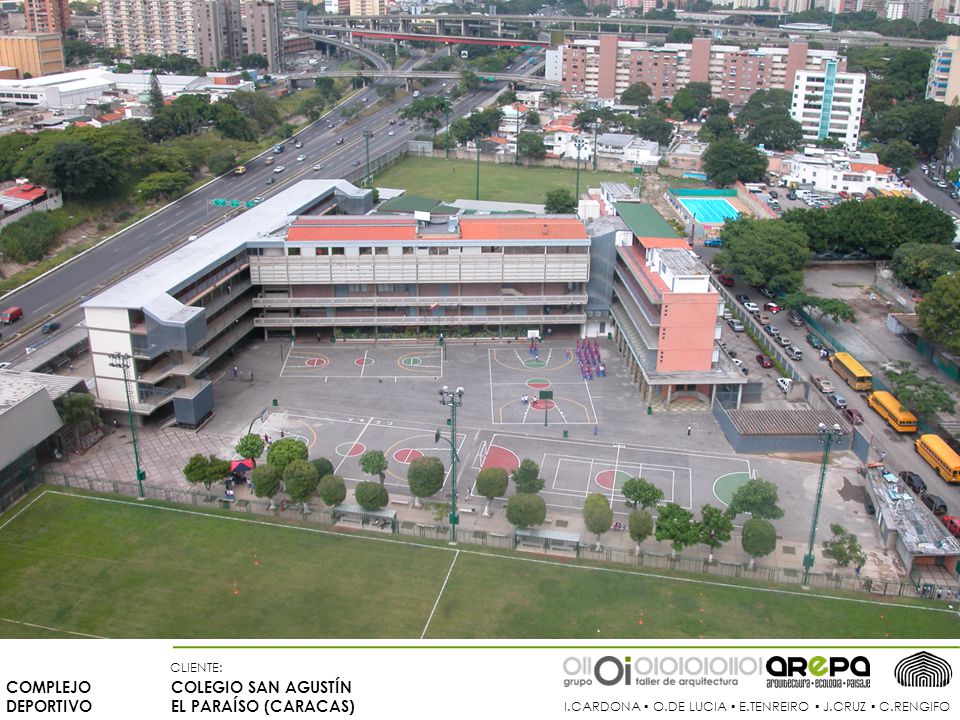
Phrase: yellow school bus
(890, 409)
(852, 372)
(942, 458)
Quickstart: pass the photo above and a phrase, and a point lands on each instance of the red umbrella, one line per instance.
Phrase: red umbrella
(242, 466)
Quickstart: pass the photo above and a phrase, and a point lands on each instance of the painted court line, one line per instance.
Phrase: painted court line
(47, 627)
(564, 565)
(493, 419)
(344, 458)
(439, 594)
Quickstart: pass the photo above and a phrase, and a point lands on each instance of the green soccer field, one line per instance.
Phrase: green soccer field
(449, 180)
(75, 565)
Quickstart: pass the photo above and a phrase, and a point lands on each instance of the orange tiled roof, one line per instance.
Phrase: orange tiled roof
(522, 229)
(868, 167)
(112, 116)
(313, 229)
(28, 192)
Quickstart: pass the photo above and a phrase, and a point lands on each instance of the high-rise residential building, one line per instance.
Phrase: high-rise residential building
(604, 67)
(219, 31)
(32, 54)
(46, 16)
(158, 27)
(263, 31)
(943, 81)
(828, 103)
(367, 7)
(336, 7)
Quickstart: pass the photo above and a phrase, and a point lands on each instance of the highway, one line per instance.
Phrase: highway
(58, 294)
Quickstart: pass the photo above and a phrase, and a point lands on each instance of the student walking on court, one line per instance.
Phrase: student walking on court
(236, 372)
(689, 429)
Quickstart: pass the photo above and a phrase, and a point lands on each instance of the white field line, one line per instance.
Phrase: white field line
(439, 594)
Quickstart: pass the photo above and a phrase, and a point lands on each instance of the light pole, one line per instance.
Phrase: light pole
(446, 142)
(578, 144)
(454, 399)
(828, 436)
(122, 361)
(367, 134)
(477, 141)
(516, 159)
(596, 124)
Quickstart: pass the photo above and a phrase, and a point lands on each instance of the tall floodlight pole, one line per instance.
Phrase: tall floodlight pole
(478, 168)
(828, 436)
(122, 361)
(446, 142)
(453, 399)
(596, 124)
(578, 144)
(516, 159)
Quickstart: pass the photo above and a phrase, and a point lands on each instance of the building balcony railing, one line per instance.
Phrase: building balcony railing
(186, 365)
(418, 320)
(421, 301)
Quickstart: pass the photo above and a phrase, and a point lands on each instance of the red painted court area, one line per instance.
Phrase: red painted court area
(407, 455)
(351, 449)
(543, 405)
(501, 457)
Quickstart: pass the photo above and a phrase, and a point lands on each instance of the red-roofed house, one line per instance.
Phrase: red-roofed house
(836, 171)
(23, 198)
(507, 273)
(110, 118)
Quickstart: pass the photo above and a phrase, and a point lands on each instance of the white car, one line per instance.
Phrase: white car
(784, 384)
(279, 169)
(750, 307)
(391, 133)
(318, 167)
(301, 158)
(738, 362)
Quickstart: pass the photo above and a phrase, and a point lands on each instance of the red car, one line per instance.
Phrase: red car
(853, 416)
(764, 361)
(726, 280)
(772, 307)
(952, 523)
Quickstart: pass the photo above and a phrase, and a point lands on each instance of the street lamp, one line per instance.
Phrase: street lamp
(122, 361)
(454, 399)
(578, 144)
(367, 134)
(446, 111)
(477, 141)
(516, 159)
(828, 436)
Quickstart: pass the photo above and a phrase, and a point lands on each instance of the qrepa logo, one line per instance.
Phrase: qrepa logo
(923, 669)
(817, 666)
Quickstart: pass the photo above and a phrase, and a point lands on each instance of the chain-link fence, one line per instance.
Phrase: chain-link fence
(309, 514)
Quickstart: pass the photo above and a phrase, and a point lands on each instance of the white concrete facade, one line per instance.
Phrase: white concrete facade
(828, 103)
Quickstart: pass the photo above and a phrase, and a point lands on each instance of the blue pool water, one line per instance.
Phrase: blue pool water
(709, 210)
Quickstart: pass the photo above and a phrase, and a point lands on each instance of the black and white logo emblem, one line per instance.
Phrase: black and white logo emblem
(923, 669)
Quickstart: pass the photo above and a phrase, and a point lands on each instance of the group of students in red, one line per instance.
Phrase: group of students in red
(588, 356)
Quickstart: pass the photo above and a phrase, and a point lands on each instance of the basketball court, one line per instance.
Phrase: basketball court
(342, 440)
(378, 362)
(573, 469)
(549, 379)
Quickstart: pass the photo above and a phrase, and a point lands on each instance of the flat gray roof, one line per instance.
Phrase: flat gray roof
(682, 261)
(150, 287)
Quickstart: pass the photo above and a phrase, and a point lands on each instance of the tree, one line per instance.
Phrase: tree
(221, 160)
(923, 396)
(939, 312)
(560, 202)
(758, 539)
(527, 477)
(205, 470)
(491, 483)
(676, 525)
(834, 308)
(715, 527)
(425, 477)
(640, 526)
(266, 481)
(76, 168)
(637, 93)
(300, 480)
(332, 490)
(717, 127)
(637, 491)
(680, 35)
(324, 467)
(766, 252)
(373, 462)
(232, 123)
(162, 185)
(918, 265)
(531, 145)
(654, 128)
(250, 446)
(757, 497)
(77, 411)
(688, 101)
(919, 122)
(284, 451)
(532, 117)
(371, 496)
(727, 161)
(898, 154)
(469, 80)
(526, 510)
(156, 101)
(254, 60)
(597, 515)
(843, 548)
(763, 104)
(775, 131)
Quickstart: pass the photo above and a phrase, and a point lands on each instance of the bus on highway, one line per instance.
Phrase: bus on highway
(942, 458)
(240, 170)
(890, 409)
(853, 373)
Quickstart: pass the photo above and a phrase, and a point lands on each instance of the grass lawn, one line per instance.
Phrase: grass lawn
(82, 564)
(449, 180)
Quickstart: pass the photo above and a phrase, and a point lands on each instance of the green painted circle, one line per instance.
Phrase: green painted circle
(534, 363)
(604, 477)
(538, 383)
(726, 485)
(412, 361)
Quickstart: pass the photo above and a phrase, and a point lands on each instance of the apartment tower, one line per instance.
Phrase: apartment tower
(47, 16)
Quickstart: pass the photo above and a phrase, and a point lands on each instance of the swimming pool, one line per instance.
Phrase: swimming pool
(709, 210)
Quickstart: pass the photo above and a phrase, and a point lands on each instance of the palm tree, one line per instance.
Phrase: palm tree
(77, 412)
